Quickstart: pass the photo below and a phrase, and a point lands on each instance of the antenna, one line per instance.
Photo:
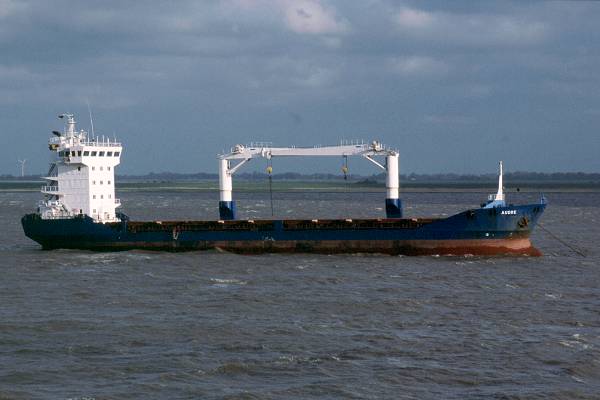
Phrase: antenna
(91, 119)
(22, 162)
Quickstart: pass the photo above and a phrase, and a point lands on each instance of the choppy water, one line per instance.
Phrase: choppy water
(76, 324)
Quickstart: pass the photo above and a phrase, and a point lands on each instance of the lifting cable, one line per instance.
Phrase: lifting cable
(345, 168)
(270, 172)
(345, 171)
(573, 248)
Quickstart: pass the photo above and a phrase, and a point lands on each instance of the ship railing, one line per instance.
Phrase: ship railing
(266, 145)
(59, 216)
(86, 142)
(49, 188)
(494, 196)
(95, 143)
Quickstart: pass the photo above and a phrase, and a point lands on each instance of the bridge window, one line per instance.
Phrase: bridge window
(86, 153)
(101, 154)
(108, 168)
(117, 154)
(109, 154)
(79, 153)
(101, 182)
(101, 196)
(93, 182)
(101, 168)
(93, 196)
(93, 168)
(94, 154)
(108, 183)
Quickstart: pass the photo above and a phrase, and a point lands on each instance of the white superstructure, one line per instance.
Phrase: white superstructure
(81, 178)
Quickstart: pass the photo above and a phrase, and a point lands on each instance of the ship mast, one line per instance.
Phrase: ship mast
(500, 194)
(497, 200)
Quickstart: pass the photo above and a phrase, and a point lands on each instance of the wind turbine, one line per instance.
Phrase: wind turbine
(22, 162)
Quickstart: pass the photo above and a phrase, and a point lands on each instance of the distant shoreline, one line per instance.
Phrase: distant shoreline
(280, 185)
(412, 178)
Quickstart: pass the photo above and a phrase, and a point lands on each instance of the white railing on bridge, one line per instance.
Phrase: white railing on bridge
(84, 142)
(100, 144)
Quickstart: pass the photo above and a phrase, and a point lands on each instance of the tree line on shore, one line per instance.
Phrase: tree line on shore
(520, 176)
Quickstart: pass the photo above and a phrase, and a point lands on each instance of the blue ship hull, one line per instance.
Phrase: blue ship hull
(501, 230)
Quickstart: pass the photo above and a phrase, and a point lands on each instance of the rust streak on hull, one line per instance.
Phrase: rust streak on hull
(520, 246)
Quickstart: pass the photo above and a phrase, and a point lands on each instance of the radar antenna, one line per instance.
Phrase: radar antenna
(70, 126)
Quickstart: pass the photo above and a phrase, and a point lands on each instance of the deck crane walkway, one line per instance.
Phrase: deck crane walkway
(243, 154)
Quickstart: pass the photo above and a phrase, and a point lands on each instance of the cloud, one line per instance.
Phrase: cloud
(9, 7)
(317, 77)
(12, 73)
(418, 66)
(311, 17)
(415, 19)
(470, 29)
(476, 90)
(287, 74)
(447, 119)
(236, 65)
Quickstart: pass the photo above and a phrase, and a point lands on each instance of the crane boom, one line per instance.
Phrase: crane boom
(242, 154)
(266, 151)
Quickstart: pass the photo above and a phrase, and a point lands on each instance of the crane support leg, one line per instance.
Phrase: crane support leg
(226, 204)
(393, 204)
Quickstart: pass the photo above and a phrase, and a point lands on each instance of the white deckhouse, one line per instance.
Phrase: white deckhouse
(81, 179)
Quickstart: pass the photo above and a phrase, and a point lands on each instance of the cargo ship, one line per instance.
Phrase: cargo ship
(80, 211)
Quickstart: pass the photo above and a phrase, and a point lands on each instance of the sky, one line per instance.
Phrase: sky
(454, 86)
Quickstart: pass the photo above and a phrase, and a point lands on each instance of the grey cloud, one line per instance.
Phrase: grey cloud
(196, 77)
(471, 29)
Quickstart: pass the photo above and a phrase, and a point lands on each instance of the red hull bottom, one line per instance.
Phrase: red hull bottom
(515, 246)
(408, 247)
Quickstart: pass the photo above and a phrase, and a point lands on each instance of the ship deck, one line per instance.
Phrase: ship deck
(270, 225)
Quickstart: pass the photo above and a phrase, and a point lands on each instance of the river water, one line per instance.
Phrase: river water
(84, 325)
